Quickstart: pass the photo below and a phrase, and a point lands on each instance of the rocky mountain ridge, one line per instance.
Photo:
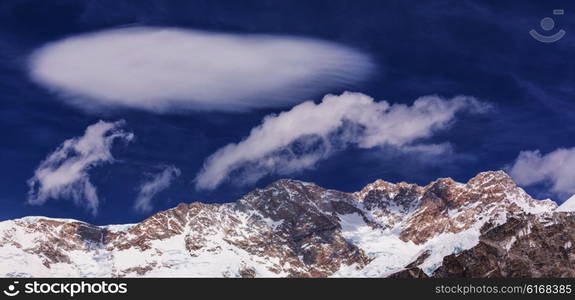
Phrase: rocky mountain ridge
(297, 229)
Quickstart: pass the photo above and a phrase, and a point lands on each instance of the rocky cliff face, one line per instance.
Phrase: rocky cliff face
(297, 229)
(525, 246)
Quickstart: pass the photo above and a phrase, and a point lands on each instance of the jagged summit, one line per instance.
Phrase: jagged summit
(280, 183)
(497, 174)
(288, 228)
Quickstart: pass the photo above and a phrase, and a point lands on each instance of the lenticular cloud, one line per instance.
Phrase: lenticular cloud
(167, 69)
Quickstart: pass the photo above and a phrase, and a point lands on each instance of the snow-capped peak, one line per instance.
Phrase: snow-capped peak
(568, 205)
(289, 228)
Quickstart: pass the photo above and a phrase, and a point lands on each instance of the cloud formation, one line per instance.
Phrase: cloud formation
(64, 174)
(168, 69)
(297, 139)
(555, 168)
(157, 183)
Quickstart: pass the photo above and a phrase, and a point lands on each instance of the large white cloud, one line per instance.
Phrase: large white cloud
(297, 139)
(168, 69)
(64, 174)
(156, 183)
(556, 168)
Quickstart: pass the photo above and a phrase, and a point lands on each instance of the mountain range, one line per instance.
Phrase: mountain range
(486, 227)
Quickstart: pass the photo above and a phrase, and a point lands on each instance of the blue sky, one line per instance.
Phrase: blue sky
(392, 51)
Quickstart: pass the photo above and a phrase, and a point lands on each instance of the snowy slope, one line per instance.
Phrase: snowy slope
(568, 205)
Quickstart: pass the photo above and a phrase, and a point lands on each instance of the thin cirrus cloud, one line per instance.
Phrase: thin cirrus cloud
(168, 69)
(64, 174)
(556, 168)
(156, 183)
(297, 139)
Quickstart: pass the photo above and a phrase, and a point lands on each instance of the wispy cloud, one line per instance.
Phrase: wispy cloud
(556, 168)
(297, 139)
(156, 183)
(64, 174)
(168, 69)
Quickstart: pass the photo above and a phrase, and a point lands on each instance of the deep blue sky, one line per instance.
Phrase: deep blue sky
(479, 48)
